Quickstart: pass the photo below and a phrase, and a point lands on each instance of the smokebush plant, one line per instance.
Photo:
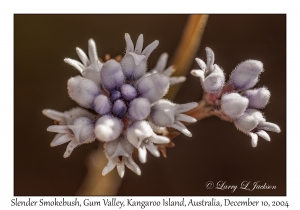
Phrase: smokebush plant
(121, 104)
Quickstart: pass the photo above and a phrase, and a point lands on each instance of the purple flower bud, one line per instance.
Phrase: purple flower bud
(139, 109)
(102, 104)
(114, 95)
(153, 87)
(233, 104)
(108, 128)
(128, 92)
(246, 74)
(111, 75)
(258, 98)
(83, 91)
(119, 108)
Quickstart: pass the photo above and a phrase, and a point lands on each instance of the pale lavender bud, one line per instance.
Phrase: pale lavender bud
(83, 129)
(246, 74)
(134, 66)
(128, 92)
(111, 75)
(83, 91)
(119, 108)
(108, 128)
(139, 109)
(258, 98)
(114, 95)
(102, 104)
(233, 104)
(153, 87)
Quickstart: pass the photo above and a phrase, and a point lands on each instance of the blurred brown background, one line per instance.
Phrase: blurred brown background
(217, 151)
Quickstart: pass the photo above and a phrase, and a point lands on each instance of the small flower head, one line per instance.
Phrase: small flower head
(124, 98)
(211, 75)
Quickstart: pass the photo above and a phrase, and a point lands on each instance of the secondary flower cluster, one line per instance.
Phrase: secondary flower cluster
(235, 99)
(126, 106)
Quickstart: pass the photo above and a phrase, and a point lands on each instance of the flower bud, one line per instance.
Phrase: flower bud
(114, 95)
(233, 104)
(83, 91)
(102, 104)
(128, 92)
(258, 98)
(246, 74)
(139, 109)
(119, 108)
(108, 128)
(111, 75)
(153, 87)
(134, 66)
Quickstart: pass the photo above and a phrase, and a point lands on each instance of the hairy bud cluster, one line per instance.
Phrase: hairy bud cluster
(127, 104)
(236, 100)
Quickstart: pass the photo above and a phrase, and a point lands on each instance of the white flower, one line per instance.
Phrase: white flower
(90, 67)
(161, 69)
(254, 124)
(211, 75)
(134, 62)
(75, 126)
(119, 153)
(167, 114)
(141, 136)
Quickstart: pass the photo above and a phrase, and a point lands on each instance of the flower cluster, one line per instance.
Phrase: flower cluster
(236, 99)
(126, 109)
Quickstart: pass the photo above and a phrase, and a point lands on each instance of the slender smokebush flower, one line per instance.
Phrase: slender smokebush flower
(235, 99)
(211, 76)
(90, 67)
(118, 153)
(167, 114)
(161, 69)
(127, 102)
(75, 126)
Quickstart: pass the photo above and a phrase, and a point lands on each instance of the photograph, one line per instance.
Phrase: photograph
(150, 105)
